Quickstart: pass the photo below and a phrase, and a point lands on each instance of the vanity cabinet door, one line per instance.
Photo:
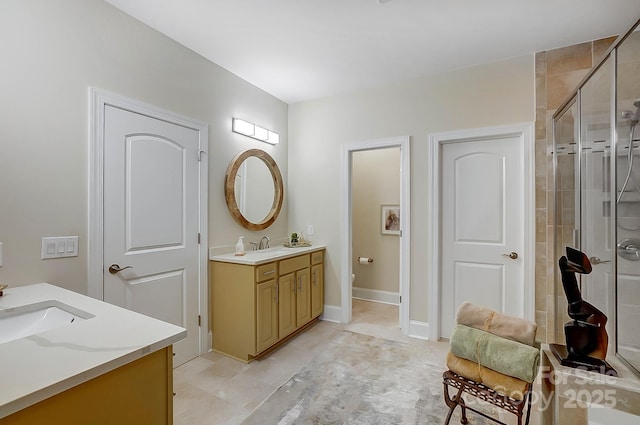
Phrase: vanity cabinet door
(266, 314)
(287, 304)
(317, 290)
(303, 297)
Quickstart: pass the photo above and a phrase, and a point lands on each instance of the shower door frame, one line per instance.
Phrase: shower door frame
(576, 96)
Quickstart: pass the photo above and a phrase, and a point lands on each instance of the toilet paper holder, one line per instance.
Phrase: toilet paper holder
(365, 260)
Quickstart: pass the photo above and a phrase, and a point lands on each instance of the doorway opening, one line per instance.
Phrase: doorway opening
(375, 277)
(375, 203)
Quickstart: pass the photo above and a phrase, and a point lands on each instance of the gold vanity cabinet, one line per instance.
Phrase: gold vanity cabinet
(140, 392)
(266, 314)
(286, 304)
(254, 307)
(317, 283)
(239, 293)
(296, 269)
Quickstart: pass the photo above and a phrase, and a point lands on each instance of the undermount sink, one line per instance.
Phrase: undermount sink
(31, 319)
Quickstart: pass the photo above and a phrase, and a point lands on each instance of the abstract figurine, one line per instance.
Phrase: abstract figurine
(586, 334)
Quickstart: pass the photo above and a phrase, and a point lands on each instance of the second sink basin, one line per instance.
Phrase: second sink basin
(32, 319)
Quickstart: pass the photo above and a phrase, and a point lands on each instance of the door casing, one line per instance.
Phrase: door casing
(524, 131)
(405, 240)
(97, 100)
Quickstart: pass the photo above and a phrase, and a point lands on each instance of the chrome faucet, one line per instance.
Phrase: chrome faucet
(264, 244)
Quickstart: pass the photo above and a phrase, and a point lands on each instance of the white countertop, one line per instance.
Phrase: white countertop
(262, 256)
(39, 366)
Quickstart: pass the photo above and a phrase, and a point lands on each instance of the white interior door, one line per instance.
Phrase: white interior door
(151, 206)
(482, 210)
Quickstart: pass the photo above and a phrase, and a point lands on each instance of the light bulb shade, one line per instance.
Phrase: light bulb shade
(243, 127)
(274, 138)
(254, 131)
(261, 133)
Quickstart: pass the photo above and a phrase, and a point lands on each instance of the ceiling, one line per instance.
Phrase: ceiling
(300, 50)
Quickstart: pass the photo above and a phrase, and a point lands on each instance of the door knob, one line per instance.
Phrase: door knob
(513, 255)
(114, 268)
(596, 260)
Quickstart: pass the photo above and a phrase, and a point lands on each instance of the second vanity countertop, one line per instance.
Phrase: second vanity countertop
(254, 258)
(36, 367)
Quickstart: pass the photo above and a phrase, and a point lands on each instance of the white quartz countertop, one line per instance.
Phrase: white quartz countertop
(262, 256)
(39, 366)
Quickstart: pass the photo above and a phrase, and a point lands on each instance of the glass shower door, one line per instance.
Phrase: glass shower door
(595, 221)
(566, 211)
(628, 199)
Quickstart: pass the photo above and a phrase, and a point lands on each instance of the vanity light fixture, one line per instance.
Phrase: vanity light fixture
(255, 131)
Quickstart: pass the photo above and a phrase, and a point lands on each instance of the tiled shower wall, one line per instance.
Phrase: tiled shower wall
(558, 73)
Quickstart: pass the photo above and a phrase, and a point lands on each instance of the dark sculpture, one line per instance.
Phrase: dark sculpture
(586, 334)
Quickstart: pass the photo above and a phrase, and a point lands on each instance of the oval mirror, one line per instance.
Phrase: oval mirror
(253, 189)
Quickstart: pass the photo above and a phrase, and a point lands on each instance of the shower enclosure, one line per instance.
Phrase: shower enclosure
(596, 159)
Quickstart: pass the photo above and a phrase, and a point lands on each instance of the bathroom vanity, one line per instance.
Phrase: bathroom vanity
(100, 364)
(263, 298)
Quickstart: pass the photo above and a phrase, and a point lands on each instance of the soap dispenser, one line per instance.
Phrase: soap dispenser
(240, 246)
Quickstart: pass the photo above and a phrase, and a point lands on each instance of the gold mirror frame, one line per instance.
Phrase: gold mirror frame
(230, 195)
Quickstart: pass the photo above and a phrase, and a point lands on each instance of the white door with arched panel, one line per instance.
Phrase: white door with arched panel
(482, 233)
(151, 220)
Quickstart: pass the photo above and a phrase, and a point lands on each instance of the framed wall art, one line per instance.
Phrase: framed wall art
(391, 219)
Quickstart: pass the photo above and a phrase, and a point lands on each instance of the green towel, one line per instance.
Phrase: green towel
(500, 354)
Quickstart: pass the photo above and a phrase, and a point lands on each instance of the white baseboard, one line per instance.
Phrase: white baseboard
(418, 330)
(332, 314)
(376, 295)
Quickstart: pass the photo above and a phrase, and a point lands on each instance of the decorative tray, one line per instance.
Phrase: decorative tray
(296, 245)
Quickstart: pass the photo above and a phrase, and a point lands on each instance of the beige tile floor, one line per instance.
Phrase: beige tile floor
(216, 390)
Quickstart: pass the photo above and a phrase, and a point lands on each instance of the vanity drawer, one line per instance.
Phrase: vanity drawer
(292, 264)
(266, 271)
(316, 257)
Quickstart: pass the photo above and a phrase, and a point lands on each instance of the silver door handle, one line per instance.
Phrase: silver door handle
(114, 268)
(629, 249)
(513, 255)
(596, 260)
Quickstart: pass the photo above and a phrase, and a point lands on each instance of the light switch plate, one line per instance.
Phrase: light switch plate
(59, 247)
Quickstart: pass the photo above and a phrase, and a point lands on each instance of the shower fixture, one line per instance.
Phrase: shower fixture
(633, 118)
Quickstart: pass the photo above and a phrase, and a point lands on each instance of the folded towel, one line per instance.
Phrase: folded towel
(513, 328)
(500, 354)
(503, 384)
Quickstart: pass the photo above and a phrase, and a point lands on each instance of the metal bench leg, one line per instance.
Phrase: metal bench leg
(452, 403)
(528, 409)
(463, 419)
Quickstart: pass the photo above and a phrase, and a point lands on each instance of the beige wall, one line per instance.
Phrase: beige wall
(52, 51)
(375, 181)
(486, 95)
